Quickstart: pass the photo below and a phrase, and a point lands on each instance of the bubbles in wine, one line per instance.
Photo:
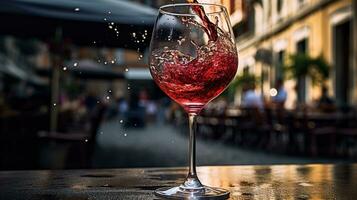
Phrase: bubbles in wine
(193, 81)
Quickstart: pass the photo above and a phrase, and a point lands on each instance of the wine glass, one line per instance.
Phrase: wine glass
(193, 58)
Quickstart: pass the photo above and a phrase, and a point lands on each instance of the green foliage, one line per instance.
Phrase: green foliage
(245, 79)
(240, 81)
(301, 65)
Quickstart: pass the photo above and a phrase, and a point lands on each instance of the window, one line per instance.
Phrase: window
(246, 70)
(279, 5)
(301, 2)
(342, 47)
(280, 64)
(302, 46)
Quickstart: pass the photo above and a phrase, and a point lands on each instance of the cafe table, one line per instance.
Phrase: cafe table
(315, 181)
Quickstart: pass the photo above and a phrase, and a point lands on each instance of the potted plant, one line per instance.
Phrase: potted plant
(301, 66)
(240, 82)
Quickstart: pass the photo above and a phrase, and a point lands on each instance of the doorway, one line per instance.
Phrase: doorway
(302, 48)
(342, 47)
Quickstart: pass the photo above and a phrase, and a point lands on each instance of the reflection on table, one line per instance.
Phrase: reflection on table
(244, 182)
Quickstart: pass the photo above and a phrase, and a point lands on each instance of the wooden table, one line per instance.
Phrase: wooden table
(244, 182)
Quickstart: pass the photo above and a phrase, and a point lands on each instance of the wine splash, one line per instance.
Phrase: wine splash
(210, 28)
(193, 82)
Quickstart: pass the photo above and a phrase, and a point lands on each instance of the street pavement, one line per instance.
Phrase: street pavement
(165, 146)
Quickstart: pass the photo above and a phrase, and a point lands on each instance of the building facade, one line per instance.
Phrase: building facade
(275, 29)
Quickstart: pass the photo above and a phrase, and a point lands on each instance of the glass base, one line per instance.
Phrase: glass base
(180, 193)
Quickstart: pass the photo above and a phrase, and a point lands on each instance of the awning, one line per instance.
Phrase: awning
(138, 74)
(83, 22)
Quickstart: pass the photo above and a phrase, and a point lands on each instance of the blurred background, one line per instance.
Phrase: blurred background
(76, 92)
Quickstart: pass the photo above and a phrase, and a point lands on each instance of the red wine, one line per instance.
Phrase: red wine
(210, 28)
(193, 82)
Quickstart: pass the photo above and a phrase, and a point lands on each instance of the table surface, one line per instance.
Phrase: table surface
(244, 182)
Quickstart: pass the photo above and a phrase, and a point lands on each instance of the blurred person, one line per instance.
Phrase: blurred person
(220, 106)
(122, 107)
(112, 110)
(251, 99)
(63, 97)
(163, 110)
(143, 98)
(326, 103)
(136, 112)
(90, 101)
(148, 105)
(151, 111)
(280, 98)
(95, 120)
(175, 113)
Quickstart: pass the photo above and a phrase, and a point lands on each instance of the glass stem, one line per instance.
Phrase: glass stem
(192, 182)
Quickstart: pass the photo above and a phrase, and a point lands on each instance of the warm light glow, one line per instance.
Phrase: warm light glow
(273, 92)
